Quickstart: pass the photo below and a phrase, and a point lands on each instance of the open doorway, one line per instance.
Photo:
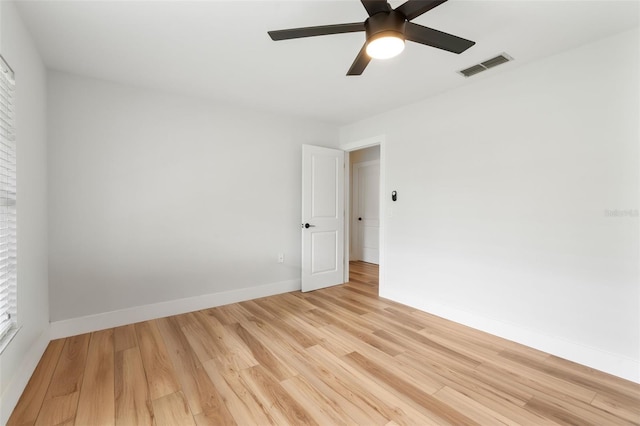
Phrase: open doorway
(365, 216)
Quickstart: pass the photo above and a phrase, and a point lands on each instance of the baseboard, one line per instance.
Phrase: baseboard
(75, 326)
(598, 359)
(19, 382)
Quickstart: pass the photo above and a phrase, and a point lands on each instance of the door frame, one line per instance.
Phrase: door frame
(347, 147)
(355, 201)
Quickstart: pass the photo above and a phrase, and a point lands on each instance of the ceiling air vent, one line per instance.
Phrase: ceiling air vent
(489, 63)
(472, 70)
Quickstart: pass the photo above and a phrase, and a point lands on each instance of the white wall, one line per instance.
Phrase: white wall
(21, 356)
(504, 186)
(156, 197)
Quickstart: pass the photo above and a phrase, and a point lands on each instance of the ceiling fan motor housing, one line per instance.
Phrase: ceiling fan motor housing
(385, 24)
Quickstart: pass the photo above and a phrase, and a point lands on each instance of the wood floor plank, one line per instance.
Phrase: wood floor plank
(402, 369)
(28, 407)
(253, 308)
(61, 402)
(419, 344)
(336, 314)
(283, 408)
(132, 400)
(159, 371)
(378, 397)
(222, 343)
(462, 339)
(59, 411)
(627, 409)
(543, 367)
(577, 413)
(172, 410)
(539, 382)
(226, 314)
(208, 329)
(341, 394)
(402, 318)
(611, 391)
(322, 379)
(235, 312)
(220, 315)
(340, 355)
(204, 400)
(623, 386)
(495, 397)
(471, 409)
(203, 344)
(439, 412)
(322, 409)
(293, 304)
(125, 337)
(280, 342)
(343, 304)
(468, 349)
(461, 378)
(293, 327)
(263, 355)
(367, 303)
(463, 333)
(414, 338)
(96, 405)
(314, 318)
(240, 403)
(365, 335)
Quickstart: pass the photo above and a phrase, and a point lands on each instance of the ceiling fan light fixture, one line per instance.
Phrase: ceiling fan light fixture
(385, 45)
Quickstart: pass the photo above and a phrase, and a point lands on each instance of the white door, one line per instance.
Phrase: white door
(322, 217)
(366, 197)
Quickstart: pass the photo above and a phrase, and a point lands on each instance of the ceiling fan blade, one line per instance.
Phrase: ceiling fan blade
(316, 31)
(376, 6)
(414, 8)
(435, 38)
(360, 63)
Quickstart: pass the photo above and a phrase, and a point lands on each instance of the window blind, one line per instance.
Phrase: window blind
(8, 246)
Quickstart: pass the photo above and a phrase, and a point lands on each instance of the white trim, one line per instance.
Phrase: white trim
(14, 389)
(617, 365)
(355, 210)
(8, 337)
(347, 214)
(75, 326)
(363, 143)
(380, 141)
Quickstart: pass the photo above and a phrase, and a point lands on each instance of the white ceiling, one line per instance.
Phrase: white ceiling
(221, 50)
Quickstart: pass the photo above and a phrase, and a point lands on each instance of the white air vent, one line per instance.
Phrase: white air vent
(483, 66)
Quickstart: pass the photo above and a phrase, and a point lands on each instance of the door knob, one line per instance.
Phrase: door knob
(306, 225)
(359, 218)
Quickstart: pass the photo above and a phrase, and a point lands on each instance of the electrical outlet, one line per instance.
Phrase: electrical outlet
(280, 257)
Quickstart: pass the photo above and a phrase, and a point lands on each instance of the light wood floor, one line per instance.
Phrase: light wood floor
(335, 356)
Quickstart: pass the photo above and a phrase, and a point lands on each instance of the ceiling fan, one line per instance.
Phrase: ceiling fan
(386, 30)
